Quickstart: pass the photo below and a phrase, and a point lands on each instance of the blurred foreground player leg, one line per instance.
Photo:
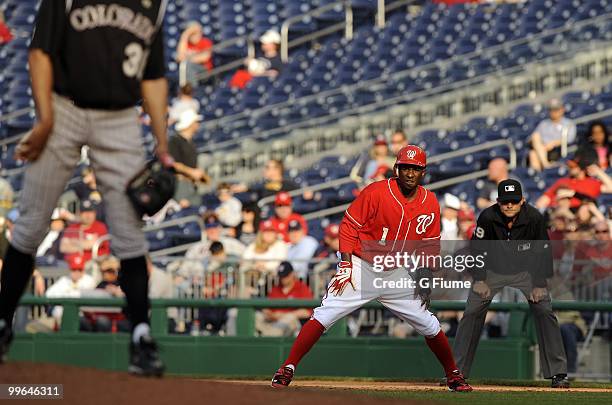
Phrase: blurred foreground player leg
(386, 218)
(88, 70)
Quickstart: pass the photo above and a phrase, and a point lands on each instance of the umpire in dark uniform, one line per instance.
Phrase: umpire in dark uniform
(513, 237)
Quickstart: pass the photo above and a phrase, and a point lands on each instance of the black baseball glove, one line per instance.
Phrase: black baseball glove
(424, 293)
(151, 189)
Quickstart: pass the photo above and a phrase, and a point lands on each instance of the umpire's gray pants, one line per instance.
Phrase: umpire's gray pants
(552, 353)
(116, 154)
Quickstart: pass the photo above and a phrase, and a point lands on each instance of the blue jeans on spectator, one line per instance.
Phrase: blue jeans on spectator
(571, 335)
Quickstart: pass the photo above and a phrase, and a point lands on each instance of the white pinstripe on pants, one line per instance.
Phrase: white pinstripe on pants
(116, 154)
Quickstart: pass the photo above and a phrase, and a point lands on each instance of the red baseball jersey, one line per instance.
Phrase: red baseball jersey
(382, 221)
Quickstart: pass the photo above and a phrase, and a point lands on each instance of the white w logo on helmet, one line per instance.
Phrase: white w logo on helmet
(411, 154)
(423, 222)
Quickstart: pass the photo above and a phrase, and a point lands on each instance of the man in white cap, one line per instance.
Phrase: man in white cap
(270, 64)
(450, 212)
(549, 137)
(185, 154)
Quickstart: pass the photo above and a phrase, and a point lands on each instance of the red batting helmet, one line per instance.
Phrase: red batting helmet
(411, 155)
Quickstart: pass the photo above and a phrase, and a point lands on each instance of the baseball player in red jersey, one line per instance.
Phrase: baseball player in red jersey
(387, 217)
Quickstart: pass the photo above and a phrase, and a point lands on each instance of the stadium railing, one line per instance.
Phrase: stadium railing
(239, 41)
(490, 51)
(433, 186)
(453, 102)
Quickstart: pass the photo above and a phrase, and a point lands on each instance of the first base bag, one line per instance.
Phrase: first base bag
(151, 189)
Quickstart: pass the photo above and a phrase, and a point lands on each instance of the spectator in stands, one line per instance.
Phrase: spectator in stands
(398, 141)
(467, 223)
(87, 189)
(586, 179)
(196, 51)
(265, 254)
(50, 246)
(70, 286)
(590, 248)
(328, 252)
(383, 172)
(185, 155)
(302, 249)
(283, 210)
(230, 210)
(246, 231)
(379, 157)
(6, 196)
(274, 181)
(588, 214)
(270, 63)
(5, 32)
(450, 212)
(103, 320)
(284, 321)
(548, 137)
(79, 239)
(218, 283)
(184, 102)
(598, 139)
(193, 265)
(331, 242)
(7, 229)
(497, 171)
(220, 261)
(563, 204)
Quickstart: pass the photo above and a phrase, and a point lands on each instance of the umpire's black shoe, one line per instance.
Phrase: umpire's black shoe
(6, 336)
(144, 360)
(560, 381)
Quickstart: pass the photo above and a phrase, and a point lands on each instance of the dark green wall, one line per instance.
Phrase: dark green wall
(257, 356)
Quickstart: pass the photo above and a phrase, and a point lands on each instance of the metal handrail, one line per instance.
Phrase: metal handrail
(313, 188)
(348, 23)
(369, 83)
(174, 222)
(298, 303)
(442, 183)
(455, 180)
(223, 68)
(441, 89)
(96, 246)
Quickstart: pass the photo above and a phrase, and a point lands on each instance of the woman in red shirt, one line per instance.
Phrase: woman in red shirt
(196, 51)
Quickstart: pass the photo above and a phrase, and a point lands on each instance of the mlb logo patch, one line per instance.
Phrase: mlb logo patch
(509, 187)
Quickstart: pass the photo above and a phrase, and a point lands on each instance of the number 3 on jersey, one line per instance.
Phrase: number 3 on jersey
(135, 63)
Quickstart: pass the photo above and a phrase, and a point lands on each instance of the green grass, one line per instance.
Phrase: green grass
(488, 398)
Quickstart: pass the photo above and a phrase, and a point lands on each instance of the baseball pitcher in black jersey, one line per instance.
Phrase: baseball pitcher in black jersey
(91, 62)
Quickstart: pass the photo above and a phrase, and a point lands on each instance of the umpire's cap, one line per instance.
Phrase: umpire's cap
(509, 190)
(411, 155)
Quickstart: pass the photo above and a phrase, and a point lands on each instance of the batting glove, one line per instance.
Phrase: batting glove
(342, 278)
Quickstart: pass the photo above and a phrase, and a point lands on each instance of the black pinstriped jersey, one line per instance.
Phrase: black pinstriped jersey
(101, 50)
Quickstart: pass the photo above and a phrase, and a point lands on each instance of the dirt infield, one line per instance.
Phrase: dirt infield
(413, 386)
(93, 387)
